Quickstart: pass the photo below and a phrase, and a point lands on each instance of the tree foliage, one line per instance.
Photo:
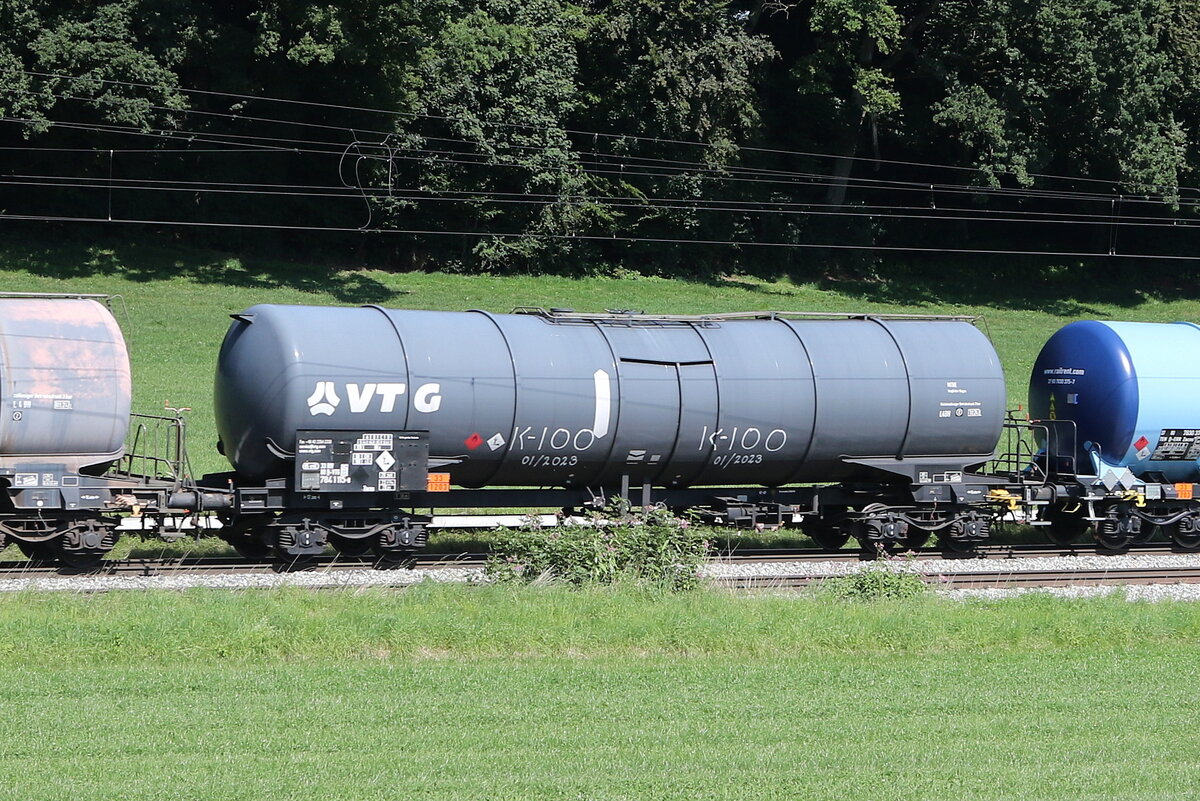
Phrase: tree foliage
(1045, 85)
(579, 136)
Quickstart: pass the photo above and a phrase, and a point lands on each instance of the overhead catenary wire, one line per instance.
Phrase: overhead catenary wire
(119, 150)
(644, 202)
(624, 137)
(607, 238)
(733, 204)
(302, 146)
(356, 194)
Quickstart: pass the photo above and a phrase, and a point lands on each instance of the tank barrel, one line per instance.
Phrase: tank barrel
(556, 398)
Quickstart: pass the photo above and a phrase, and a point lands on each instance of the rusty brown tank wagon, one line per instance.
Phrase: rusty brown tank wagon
(351, 427)
(65, 393)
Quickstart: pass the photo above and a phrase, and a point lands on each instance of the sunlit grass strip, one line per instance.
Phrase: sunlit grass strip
(543, 693)
(542, 622)
(1084, 724)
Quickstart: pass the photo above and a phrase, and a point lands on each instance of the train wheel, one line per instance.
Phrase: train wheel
(1183, 540)
(957, 546)
(82, 559)
(1119, 529)
(286, 561)
(247, 547)
(349, 546)
(1187, 542)
(1065, 527)
(85, 545)
(1062, 537)
(917, 538)
(824, 533)
(1115, 541)
(828, 538)
(245, 535)
(388, 558)
(874, 549)
(41, 551)
(299, 543)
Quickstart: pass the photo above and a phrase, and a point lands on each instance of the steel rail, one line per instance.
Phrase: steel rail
(232, 565)
(997, 579)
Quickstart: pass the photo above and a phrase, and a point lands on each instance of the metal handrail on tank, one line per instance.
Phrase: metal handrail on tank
(107, 299)
(155, 448)
(616, 315)
(1019, 457)
(56, 295)
(1038, 450)
(1061, 445)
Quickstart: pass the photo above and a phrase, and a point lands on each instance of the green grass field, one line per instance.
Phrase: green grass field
(544, 693)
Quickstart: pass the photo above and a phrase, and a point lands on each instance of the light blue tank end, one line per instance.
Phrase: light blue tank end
(1133, 391)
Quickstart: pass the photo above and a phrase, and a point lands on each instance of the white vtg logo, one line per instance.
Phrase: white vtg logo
(325, 399)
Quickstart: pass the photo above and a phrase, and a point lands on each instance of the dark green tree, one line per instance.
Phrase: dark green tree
(70, 54)
(676, 84)
(1085, 87)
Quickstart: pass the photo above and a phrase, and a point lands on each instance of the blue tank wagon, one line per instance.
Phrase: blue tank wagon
(1119, 404)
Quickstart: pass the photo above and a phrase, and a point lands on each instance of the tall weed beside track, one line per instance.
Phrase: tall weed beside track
(877, 581)
(643, 546)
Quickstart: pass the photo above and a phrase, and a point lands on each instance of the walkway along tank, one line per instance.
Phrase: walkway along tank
(600, 405)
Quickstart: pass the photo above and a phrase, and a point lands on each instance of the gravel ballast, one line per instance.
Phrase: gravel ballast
(966, 567)
(948, 567)
(315, 579)
(325, 579)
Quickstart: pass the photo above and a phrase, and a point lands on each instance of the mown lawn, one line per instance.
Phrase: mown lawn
(543, 693)
(457, 693)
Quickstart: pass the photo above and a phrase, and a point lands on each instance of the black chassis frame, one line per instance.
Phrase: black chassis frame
(1040, 464)
(880, 511)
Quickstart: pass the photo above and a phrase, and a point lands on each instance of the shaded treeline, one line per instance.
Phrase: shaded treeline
(684, 138)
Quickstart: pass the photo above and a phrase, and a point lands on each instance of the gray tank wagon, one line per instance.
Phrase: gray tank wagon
(596, 405)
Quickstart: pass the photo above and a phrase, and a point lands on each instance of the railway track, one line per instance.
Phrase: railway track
(1005, 575)
(997, 579)
(231, 565)
(146, 566)
(1015, 551)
